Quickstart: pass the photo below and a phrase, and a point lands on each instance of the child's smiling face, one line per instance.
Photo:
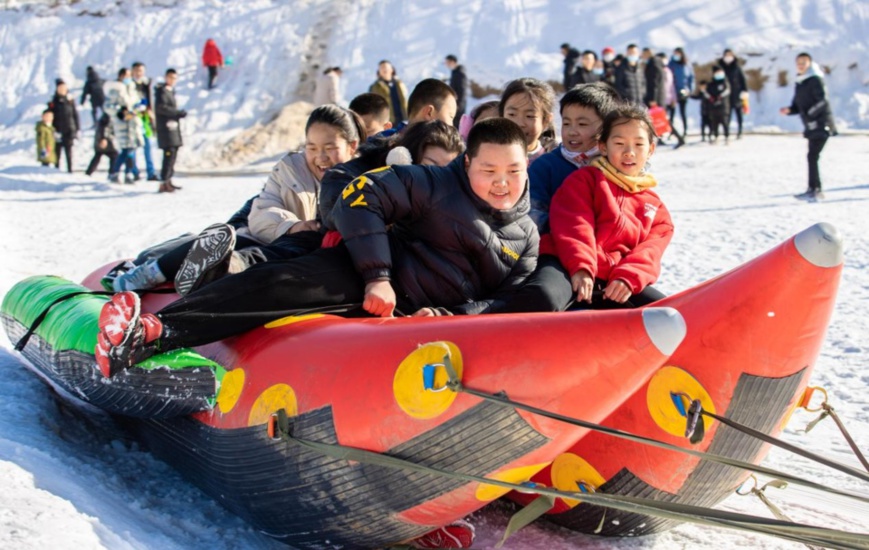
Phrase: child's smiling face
(580, 127)
(498, 174)
(628, 146)
(522, 110)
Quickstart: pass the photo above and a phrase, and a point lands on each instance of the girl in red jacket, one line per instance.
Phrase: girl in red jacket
(211, 59)
(609, 229)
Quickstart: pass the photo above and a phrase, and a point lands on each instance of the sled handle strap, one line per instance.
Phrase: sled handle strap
(821, 536)
(832, 414)
(456, 385)
(41, 317)
(761, 494)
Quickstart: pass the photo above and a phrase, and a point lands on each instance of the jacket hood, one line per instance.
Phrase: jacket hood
(813, 70)
(521, 208)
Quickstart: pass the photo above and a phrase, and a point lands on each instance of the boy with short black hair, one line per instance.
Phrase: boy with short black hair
(432, 99)
(433, 240)
(374, 111)
(583, 110)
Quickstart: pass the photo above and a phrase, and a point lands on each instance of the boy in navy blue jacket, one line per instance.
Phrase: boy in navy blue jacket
(427, 239)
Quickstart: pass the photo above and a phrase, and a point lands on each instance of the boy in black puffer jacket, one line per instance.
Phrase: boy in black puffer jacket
(427, 239)
(102, 144)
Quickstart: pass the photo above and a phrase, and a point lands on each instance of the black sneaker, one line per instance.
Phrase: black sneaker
(809, 195)
(208, 259)
(153, 177)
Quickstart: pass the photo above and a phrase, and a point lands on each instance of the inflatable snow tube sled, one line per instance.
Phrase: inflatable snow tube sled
(754, 335)
(240, 417)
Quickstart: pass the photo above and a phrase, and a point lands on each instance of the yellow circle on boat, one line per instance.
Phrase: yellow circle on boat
(230, 390)
(486, 493)
(279, 396)
(670, 382)
(569, 470)
(408, 387)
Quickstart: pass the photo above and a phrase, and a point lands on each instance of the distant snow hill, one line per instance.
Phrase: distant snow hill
(277, 50)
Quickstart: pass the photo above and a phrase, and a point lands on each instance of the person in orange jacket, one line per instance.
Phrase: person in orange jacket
(212, 59)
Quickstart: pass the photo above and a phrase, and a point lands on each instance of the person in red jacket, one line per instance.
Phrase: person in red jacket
(212, 59)
(609, 229)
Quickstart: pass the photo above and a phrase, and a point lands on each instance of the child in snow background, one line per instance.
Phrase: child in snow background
(46, 146)
(212, 59)
(529, 102)
(609, 229)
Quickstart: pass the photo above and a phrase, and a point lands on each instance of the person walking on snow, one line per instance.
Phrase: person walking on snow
(392, 90)
(459, 84)
(211, 59)
(65, 122)
(93, 87)
(124, 105)
(812, 104)
(143, 87)
(168, 129)
(738, 88)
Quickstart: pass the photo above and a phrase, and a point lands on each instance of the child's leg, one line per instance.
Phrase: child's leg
(264, 293)
(547, 289)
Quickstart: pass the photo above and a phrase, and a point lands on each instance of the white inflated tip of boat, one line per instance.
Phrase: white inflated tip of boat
(820, 245)
(666, 328)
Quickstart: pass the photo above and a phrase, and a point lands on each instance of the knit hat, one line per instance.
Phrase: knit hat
(608, 49)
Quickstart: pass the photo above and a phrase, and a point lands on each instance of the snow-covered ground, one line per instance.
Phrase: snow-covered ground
(274, 47)
(71, 484)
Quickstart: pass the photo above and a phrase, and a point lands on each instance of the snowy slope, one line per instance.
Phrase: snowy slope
(275, 46)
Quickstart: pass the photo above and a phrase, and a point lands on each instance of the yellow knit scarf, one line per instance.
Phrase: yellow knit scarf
(631, 184)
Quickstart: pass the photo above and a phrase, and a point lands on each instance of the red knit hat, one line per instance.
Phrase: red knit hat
(608, 49)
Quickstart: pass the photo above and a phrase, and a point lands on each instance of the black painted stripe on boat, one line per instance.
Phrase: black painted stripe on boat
(305, 498)
(757, 402)
(157, 393)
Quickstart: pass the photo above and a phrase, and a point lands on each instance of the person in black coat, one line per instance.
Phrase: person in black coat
(168, 128)
(585, 72)
(459, 84)
(717, 97)
(571, 57)
(426, 239)
(630, 77)
(65, 121)
(653, 72)
(93, 87)
(102, 144)
(738, 86)
(812, 104)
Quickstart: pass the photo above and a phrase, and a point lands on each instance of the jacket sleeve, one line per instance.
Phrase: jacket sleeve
(522, 269)
(369, 204)
(270, 217)
(641, 266)
(818, 100)
(572, 221)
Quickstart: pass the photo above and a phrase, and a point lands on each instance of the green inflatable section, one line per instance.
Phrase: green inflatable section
(73, 323)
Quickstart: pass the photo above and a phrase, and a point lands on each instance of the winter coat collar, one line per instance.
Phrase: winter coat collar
(501, 217)
(631, 184)
(813, 70)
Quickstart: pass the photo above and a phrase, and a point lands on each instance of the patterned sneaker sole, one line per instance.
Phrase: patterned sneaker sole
(211, 249)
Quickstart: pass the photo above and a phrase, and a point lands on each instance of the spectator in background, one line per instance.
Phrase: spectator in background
(738, 87)
(123, 106)
(392, 90)
(211, 59)
(653, 72)
(585, 73)
(93, 87)
(630, 80)
(65, 121)
(811, 103)
(571, 57)
(168, 129)
(608, 55)
(46, 147)
(328, 88)
(102, 144)
(683, 83)
(459, 84)
(143, 87)
(717, 97)
(374, 112)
